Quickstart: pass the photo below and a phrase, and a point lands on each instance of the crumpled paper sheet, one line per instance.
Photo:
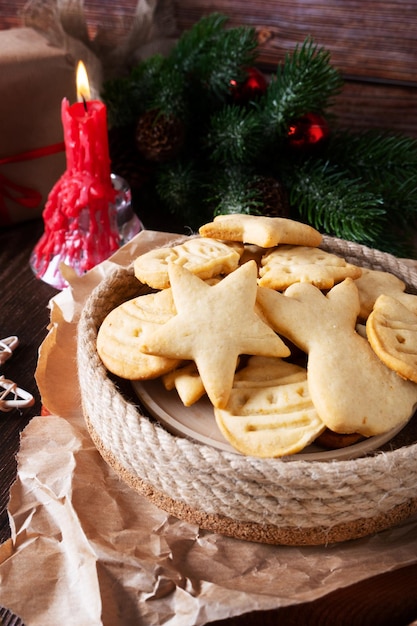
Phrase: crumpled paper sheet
(88, 550)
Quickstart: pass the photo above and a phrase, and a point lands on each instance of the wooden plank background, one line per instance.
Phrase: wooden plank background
(372, 43)
(368, 39)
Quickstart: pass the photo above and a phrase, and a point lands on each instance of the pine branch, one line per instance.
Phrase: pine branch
(335, 204)
(213, 55)
(387, 165)
(121, 105)
(168, 93)
(372, 150)
(234, 51)
(235, 136)
(179, 186)
(361, 187)
(194, 43)
(305, 82)
(126, 98)
(232, 190)
(200, 68)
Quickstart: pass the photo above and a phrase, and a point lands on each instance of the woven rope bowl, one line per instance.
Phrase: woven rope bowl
(276, 501)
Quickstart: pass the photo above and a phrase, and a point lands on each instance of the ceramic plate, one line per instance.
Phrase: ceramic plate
(198, 423)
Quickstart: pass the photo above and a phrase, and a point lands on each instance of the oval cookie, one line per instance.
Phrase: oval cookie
(392, 332)
(269, 413)
(120, 335)
(270, 421)
(205, 258)
(374, 283)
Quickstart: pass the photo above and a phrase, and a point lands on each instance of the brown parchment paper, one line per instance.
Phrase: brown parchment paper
(87, 550)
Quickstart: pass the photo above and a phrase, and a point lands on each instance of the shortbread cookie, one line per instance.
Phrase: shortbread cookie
(203, 257)
(336, 441)
(285, 265)
(351, 389)
(213, 326)
(267, 371)
(187, 382)
(120, 335)
(262, 231)
(270, 418)
(392, 333)
(373, 283)
(252, 252)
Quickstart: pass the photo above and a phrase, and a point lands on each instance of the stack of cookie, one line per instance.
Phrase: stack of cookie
(289, 342)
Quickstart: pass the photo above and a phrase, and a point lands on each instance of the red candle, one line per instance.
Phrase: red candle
(85, 136)
(80, 226)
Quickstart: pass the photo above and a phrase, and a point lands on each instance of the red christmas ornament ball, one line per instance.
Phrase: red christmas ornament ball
(309, 131)
(254, 86)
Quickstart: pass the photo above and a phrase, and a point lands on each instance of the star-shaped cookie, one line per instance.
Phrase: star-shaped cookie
(213, 326)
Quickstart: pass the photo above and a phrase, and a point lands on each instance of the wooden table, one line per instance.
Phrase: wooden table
(381, 600)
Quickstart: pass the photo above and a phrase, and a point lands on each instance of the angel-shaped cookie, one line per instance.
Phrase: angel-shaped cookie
(351, 389)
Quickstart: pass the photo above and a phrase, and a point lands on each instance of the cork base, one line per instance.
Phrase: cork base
(259, 500)
(250, 531)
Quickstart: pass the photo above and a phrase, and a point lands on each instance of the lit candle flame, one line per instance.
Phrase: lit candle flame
(83, 86)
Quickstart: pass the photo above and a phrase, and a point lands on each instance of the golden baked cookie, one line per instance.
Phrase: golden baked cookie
(270, 418)
(351, 389)
(266, 371)
(373, 283)
(336, 441)
(392, 332)
(187, 382)
(120, 335)
(213, 326)
(203, 257)
(285, 265)
(260, 230)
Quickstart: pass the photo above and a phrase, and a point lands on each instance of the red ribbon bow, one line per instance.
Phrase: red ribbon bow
(24, 196)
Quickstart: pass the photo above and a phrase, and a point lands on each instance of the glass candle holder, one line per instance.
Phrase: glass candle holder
(87, 238)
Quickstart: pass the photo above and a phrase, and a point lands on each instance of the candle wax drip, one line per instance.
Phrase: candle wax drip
(80, 223)
(48, 268)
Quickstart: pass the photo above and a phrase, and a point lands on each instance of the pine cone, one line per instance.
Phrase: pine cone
(274, 197)
(159, 137)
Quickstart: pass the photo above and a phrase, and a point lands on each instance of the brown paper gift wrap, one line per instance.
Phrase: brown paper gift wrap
(34, 78)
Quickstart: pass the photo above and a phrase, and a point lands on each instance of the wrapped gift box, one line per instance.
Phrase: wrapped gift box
(34, 78)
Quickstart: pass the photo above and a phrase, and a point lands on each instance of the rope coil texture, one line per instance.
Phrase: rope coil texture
(285, 493)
